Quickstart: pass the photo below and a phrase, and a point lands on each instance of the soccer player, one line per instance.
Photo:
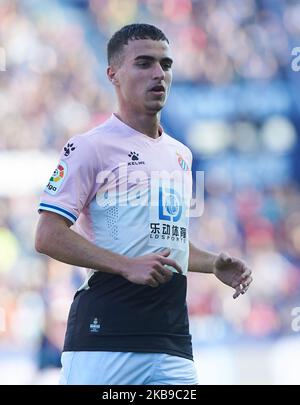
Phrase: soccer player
(126, 185)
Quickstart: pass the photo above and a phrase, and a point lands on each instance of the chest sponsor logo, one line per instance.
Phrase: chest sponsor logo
(168, 218)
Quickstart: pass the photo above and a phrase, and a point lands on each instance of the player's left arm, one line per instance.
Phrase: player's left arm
(230, 270)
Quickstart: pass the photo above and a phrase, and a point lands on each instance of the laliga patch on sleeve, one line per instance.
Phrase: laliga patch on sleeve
(57, 178)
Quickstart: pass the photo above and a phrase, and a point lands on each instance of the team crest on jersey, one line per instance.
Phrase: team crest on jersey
(57, 178)
(182, 163)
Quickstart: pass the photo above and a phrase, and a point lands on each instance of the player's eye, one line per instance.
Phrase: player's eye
(166, 66)
(143, 64)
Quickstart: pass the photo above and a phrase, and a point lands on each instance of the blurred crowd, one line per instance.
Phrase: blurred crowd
(56, 57)
(54, 86)
(263, 228)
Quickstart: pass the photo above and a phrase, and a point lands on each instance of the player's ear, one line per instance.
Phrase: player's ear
(111, 74)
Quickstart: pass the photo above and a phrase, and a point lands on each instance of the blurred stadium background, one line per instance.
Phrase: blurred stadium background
(235, 101)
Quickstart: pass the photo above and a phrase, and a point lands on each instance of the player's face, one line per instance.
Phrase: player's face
(145, 75)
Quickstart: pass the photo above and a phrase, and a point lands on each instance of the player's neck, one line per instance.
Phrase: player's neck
(146, 124)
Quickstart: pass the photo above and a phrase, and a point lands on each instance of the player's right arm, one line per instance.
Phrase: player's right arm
(55, 239)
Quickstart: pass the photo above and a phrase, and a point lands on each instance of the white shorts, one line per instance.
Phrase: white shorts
(126, 368)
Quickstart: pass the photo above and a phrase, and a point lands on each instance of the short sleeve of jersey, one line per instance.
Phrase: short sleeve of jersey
(72, 183)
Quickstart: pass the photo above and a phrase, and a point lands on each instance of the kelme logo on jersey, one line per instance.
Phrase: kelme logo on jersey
(57, 178)
(68, 149)
(170, 207)
(182, 163)
(135, 159)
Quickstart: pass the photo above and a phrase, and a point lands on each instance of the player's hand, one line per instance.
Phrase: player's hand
(150, 269)
(233, 272)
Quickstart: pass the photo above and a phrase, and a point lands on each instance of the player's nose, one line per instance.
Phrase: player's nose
(158, 72)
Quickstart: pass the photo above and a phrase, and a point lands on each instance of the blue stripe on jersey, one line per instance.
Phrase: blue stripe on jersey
(58, 210)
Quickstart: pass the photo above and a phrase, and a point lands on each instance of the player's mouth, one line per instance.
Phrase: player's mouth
(159, 90)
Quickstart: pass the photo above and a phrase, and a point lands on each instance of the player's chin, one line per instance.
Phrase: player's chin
(155, 106)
